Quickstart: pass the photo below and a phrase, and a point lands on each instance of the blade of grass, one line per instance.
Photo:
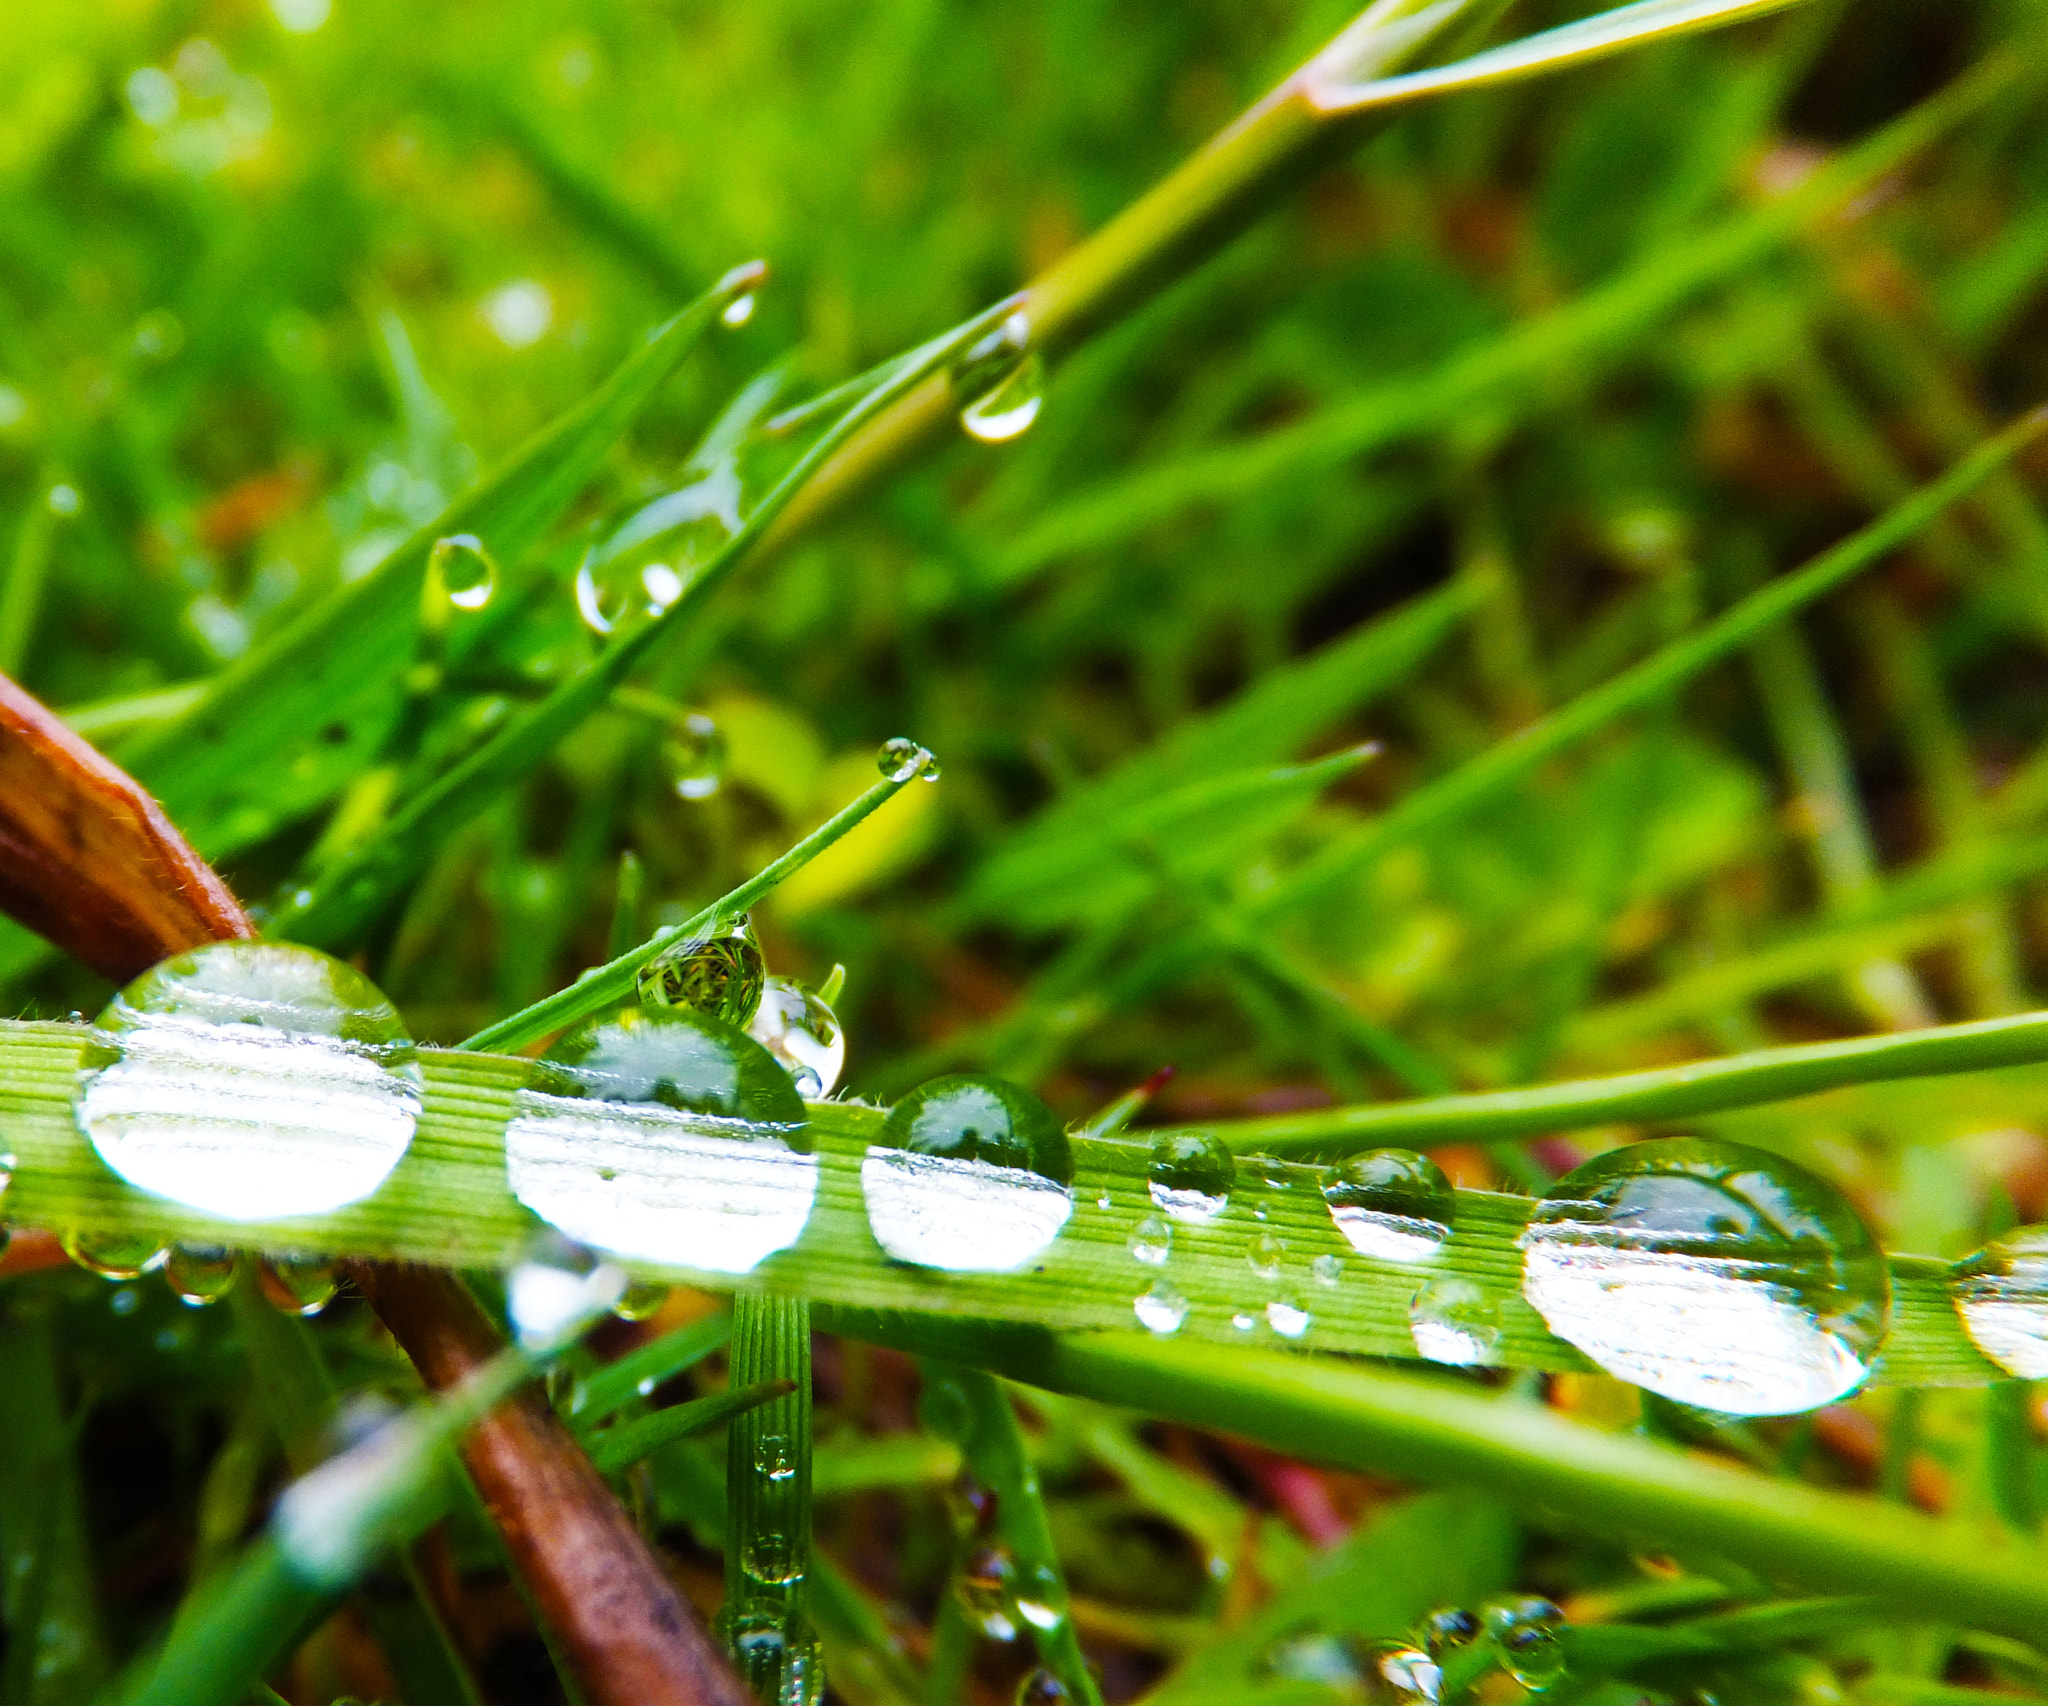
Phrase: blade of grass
(616, 1448)
(768, 1500)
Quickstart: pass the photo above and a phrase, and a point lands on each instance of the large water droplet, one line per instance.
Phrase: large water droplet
(667, 1135)
(199, 1274)
(461, 570)
(1160, 1310)
(1392, 1205)
(1712, 1274)
(297, 1285)
(1397, 1674)
(115, 1255)
(1525, 1632)
(973, 1174)
(1001, 382)
(1190, 1174)
(721, 974)
(611, 591)
(556, 1290)
(251, 1080)
(901, 759)
(1454, 1321)
(2001, 1294)
(738, 311)
(796, 1026)
(693, 756)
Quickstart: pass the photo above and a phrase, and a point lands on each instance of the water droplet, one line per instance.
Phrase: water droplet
(297, 1285)
(1287, 1318)
(63, 500)
(613, 590)
(1190, 1175)
(1392, 1205)
(775, 1457)
(771, 1558)
(1152, 1242)
(461, 569)
(1711, 1274)
(556, 1290)
(901, 759)
(1454, 1321)
(251, 1080)
(2001, 1293)
(1042, 1613)
(1264, 1255)
(8, 1164)
(1160, 1310)
(641, 1301)
(796, 1026)
(1042, 1688)
(199, 1274)
(1244, 1322)
(1397, 1674)
(693, 756)
(1001, 381)
(667, 1135)
(738, 311)
(720, 974)
(973, 1174)
(1525, 1634)
(1327, 1269)
(1105, 1201)
(115, 1255)
(986, 1578)
(1447, 1629)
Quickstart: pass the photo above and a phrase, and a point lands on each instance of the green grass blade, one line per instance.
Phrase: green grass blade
(768, 1498)
(616, 1448)
(639, 1371)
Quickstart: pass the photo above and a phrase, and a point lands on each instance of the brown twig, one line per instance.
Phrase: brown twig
(88, 860)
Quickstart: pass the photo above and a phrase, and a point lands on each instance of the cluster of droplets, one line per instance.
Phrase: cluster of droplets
(1447, 1654)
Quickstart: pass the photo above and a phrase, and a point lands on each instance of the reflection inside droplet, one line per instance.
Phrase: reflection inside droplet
(1392, 1205)
(1190, 1175)
(1454, 1321)
(795, 1025)
(2001, 1295)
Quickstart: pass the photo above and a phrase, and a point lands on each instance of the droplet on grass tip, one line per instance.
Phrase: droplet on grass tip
(1392, 1205)
(720, 974)
(1000, 383)
(902, 759)
(800, 1030)
(973, 1174)
(252, 1081)
(1712, 1274)
(1453, 1321)
(666, 1135)
(2001, 1296)
(1190, 1175)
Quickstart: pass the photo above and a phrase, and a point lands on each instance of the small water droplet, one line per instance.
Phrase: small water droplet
(1454, 1321)
(1190, 1174)
(1392, 1205)
(665, 1135)
(460, 568)
(775, 1457)
(1264, 1255)
(1525, 1632)
(693, 756)
(63, 500)
(1327, 1269)
(199, 1274)
(2001, 1294)
(1160, 1310)
(641, 1301)
(1710, 1273)
(556, 1290)
(1397, 1674)
(987, 1578)
(974, 1174)
(611, 591)
(720, 974)
(1447, 1629)
(1042, 1688)
(297, 1285)
(795, 1025)
(1244, 1322)
(738, 311)
(1105, 1202)
(1152, 1242)
(772, 1558)
(1287, 1318)
(902, 759)
(251, 1080)
(1001, 382)
(115, 1255)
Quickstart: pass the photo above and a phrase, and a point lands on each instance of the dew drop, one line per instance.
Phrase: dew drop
(987, 1577)
(1001, 381)
(1152, 1242)
(1453, 1321)
(738, 311)
(693, 756)
(460, 568)
(1287, 1318)
(1190, 1175)
(556, 1290)
(1397, 1674)
(666, 1135)
(1042, 1688)
(2001, 1294)
(1711, 1274)
(795, 1025)
(1243, 1321)
(720, 974)
(1160, 1310)
(775, 1457)
(1392, 1205)
(902, 759)
(1327, 1269)
(1264, 1255)
(613, 590)
(199, 1274)
(1525, 1632)
(297, 1285)
(973, 1175)
(116, 1255)
(251, 1081)
(641, 1301)
(1447, 1629)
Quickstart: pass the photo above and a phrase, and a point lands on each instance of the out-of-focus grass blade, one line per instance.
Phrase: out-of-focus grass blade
(613, 1449)
(280, 731)
(638, 1372)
